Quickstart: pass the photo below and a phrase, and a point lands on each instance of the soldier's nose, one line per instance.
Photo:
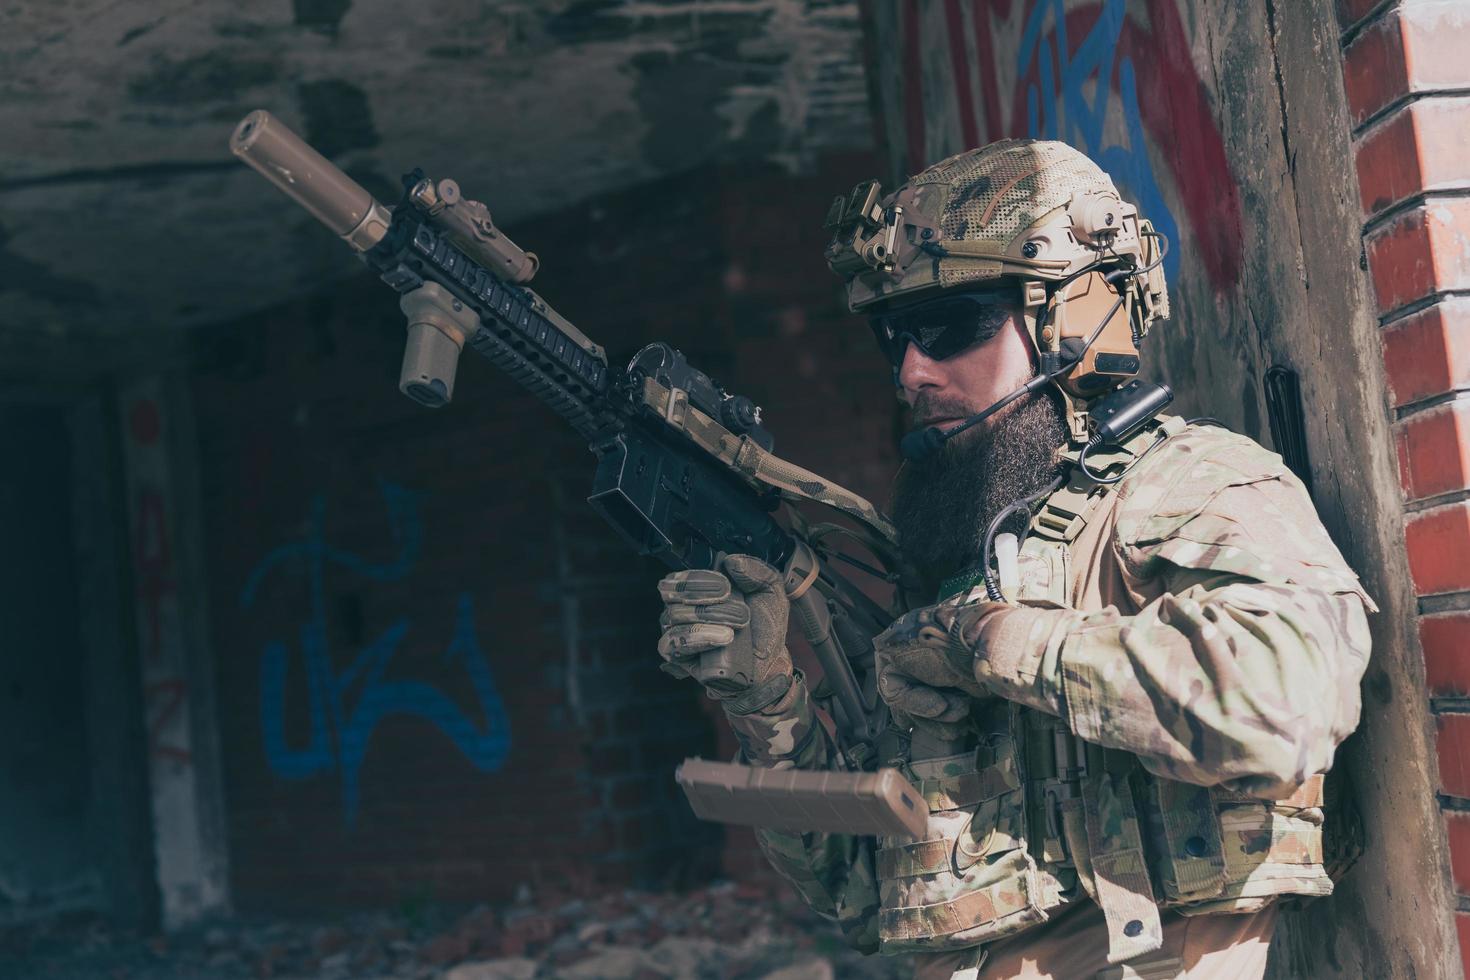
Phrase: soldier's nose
(919, 371)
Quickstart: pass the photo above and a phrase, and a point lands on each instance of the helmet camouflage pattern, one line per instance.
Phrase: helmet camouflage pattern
(1036, 213)
(1032, 209)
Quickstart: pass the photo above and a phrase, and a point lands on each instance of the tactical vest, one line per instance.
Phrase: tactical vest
(1033, 819)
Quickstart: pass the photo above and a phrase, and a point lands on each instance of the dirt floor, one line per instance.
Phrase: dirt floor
(724, 932)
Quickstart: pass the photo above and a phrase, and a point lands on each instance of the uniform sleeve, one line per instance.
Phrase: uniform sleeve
(1242, 666)
(833, 873)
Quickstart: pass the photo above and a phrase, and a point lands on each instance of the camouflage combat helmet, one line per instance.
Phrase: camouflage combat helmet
(1038, 214)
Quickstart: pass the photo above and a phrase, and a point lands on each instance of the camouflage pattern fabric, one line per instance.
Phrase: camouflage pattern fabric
(1226, 662)
(1120, 874)
(1241, 666)
(973, 879)
(981, 200)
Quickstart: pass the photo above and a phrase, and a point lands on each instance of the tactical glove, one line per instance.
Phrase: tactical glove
(727, 630)
(926, 666)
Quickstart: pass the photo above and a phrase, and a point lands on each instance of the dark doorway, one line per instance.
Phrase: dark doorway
(45, 859)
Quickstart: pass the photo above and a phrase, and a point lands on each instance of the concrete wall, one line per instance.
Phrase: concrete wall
(175, 681)
(436, 667)
(1228, 125)
(122, 113)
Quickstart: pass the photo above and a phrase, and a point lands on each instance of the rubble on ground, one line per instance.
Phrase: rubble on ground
(723, 932)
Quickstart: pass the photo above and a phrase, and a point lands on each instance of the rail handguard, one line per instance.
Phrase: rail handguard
(684, 470)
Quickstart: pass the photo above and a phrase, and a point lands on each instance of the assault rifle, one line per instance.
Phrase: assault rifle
(684, 471)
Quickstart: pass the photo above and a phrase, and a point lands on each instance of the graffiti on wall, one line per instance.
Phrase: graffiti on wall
(345, 706)
(1114, 79)
(191, 875)
(165, 691)
(1057, 105)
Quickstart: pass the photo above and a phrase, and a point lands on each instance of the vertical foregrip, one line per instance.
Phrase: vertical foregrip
(514, 334)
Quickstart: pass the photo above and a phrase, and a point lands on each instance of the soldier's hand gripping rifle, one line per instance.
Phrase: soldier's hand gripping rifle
(684, 470)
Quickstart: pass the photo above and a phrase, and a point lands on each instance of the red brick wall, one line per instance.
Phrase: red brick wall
(458, 542)
(1406, 76)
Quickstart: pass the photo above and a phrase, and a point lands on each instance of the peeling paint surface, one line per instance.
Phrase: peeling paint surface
(123, 210)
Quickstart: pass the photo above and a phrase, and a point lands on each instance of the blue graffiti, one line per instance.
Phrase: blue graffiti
(1070, 117)
(339, 732)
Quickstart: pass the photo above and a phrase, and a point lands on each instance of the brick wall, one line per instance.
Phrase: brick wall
(436, 667)
(1408, 87)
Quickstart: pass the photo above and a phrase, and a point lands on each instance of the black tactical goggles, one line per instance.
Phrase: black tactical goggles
(943, 327)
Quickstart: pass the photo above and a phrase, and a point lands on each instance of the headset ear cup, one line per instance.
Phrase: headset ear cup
(1112, 358)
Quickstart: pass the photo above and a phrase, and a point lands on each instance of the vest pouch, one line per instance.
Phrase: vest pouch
(972, 880)
(1270, 850)
(1191, 865)
(1239, 853)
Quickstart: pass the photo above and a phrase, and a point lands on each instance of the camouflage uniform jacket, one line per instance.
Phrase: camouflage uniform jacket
(1199, 640)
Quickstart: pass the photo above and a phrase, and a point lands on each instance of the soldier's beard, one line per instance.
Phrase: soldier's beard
(943, 503)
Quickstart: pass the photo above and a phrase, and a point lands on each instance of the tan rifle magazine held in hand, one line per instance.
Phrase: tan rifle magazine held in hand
(881, 802)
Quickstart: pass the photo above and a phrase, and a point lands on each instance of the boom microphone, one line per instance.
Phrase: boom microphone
(921, 443)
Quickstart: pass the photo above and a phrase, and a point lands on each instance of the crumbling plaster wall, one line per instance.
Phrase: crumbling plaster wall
(1227, 123)
(122, 212)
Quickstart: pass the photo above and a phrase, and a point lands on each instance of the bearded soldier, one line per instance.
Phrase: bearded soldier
(1121, 728)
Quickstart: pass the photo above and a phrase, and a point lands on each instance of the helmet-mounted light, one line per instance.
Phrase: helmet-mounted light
(859, 236)
(873, 234)
(1097, 217)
